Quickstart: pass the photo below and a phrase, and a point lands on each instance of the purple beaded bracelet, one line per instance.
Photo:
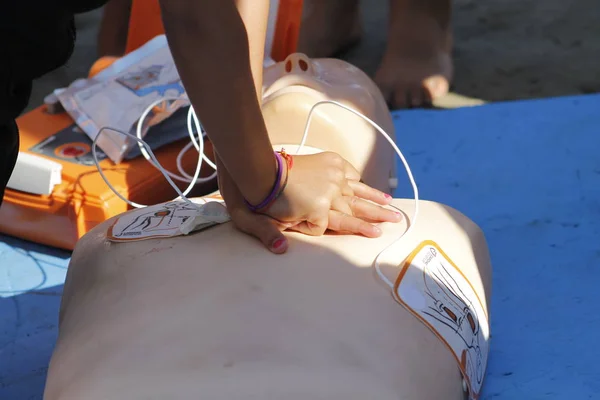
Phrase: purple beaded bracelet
(275, 191)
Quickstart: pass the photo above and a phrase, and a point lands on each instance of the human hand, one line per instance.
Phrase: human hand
(264, 228)
(324, 192)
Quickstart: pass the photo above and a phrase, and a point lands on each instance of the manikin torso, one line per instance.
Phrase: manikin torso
(214, 315)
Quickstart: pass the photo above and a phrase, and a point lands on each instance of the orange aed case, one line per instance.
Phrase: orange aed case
(83, 199)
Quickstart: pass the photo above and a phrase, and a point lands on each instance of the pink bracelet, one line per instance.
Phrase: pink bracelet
(275, 191)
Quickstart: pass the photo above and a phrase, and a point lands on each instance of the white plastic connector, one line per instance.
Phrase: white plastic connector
(34, 174)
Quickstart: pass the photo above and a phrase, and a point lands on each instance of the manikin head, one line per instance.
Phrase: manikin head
(293, 86)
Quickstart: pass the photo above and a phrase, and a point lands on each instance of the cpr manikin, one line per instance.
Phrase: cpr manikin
(214, 315)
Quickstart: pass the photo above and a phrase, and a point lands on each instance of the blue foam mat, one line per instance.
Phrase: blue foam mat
(527, 172)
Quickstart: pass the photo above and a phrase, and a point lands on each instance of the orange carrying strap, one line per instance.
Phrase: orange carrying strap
(145, 23)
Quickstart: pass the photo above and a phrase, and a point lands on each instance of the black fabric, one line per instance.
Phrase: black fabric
(9, 149)
(79, 6)
(36, 37)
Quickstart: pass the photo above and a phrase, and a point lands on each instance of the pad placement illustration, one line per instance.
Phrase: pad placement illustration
(168, 219)
(432, 288)
(147, 80)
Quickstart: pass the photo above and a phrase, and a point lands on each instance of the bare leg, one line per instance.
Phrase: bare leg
(112, 37)
(329, 27)
(417, 65)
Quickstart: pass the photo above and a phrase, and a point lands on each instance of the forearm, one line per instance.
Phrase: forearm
(210, 48)
(255, 14)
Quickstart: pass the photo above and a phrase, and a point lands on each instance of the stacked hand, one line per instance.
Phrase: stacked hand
(323, 192)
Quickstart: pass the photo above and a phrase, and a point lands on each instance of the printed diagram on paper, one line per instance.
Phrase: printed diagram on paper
(147, 80)
(168, 219)
(118, 96)
(119, 102)
(433, 289)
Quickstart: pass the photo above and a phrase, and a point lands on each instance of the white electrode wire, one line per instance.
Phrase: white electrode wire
(143, 117)
(149, 156)
(411, 224)
(199, 131)
(154, 162)
(193, 180)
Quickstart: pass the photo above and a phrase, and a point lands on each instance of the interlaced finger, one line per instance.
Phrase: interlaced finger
(351, 172)
(368, 193)
(370, 211)
(341, 222)
(347, 190)
(343, 205)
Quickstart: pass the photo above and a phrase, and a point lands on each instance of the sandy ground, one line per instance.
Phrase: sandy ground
(504, 49)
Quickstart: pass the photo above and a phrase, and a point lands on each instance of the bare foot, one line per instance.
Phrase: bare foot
(417, 65)
(329, 27)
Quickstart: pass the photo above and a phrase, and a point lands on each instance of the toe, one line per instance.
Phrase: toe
(387, 93)
(436, 85)
(409, 96)
(400, 98)
(416, 96)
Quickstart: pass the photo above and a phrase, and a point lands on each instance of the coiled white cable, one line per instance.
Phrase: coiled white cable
(154, 162)
(185, 177)
(149, 155)
(192, 115)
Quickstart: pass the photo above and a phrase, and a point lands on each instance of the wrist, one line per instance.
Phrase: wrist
(283, 165)
(260, 179)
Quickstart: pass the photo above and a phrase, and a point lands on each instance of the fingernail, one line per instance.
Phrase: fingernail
(387, 196)
(277, 244)
(376, 230)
